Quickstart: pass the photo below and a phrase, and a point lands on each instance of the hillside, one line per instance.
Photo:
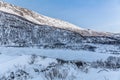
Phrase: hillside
(44, 20)
(37, 47)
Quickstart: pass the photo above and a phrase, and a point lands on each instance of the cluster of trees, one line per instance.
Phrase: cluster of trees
(20, 32)
(103, 40)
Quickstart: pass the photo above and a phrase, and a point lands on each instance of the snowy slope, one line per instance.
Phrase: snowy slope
(35, 17)
(44, 20)
(37, 47)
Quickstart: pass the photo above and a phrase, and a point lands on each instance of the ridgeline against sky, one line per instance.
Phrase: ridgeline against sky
(100, 15)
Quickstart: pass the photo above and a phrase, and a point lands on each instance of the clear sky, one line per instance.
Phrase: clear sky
(100, 15)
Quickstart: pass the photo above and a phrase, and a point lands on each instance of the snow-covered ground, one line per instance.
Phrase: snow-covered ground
(12, 59)
(61, 54)
(74, 53)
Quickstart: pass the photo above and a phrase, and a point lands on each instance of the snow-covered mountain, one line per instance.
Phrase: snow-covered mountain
(22, 27)
(37, 47)
(44, 20)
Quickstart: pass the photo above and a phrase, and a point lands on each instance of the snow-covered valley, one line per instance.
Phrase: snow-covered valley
(37, 47)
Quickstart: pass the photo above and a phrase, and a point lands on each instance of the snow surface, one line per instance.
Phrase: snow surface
(11, 57)
(61, 54)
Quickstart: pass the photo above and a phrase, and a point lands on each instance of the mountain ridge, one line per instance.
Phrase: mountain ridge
(18, 31)
(44, 20)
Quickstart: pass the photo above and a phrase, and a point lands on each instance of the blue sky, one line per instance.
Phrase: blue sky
(100, 15)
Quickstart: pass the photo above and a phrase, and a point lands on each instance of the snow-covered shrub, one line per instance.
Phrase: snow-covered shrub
(111, 63)
(32, 59)
(88, 47)
(18, 74)
(60, 73)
